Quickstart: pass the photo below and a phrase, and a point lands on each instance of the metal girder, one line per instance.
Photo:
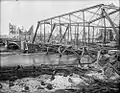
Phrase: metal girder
(104, 39)
(119, 37)
(78, 17)
(84, 36)
(96, 6)
(60, 27)
(51, 32)
(80, 24)
(67, 19)
(112, 24)
(36, 32)
(44, 31)
(67, 23)
(70, 22)
(64, 33)
(75, 24)
(88, 33)
(111, 7)
(70, 29)
(104, 16)
(93, 12)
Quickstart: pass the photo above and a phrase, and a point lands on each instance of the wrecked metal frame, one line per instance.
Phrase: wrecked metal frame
(83, 23)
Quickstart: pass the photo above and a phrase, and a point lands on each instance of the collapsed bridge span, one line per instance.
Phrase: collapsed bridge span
(99, 23)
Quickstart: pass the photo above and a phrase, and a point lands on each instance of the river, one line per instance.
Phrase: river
(36, 59)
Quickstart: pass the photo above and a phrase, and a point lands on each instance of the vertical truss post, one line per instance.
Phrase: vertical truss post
(88, 33)
(77, 34)
(84, 34)
(52, 29)
(70, 26)
(93, 34)
(111, 23)
(41, 33)
(104, 38)
(68, 35)
(64, 33)
(51, 25)
(60, 29)
(35, 32)
(119, 38)
(44, 31)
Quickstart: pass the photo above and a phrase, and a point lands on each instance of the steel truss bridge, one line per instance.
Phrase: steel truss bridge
(80, 26)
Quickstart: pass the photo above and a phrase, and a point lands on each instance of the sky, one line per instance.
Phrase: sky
(28, 12)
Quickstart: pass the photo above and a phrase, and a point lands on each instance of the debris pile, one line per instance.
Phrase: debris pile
(44, 83)
(99, 76)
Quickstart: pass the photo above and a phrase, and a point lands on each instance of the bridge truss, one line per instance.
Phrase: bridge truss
(80, 26)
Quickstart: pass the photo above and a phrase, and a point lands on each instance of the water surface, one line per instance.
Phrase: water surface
(36, 59)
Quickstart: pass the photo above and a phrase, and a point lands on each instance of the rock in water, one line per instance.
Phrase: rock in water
(26, 88)
(86, 59)
(11, 84)
(43, 83)
(49, 87)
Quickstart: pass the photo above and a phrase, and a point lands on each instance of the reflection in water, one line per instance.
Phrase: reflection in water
(36, 59)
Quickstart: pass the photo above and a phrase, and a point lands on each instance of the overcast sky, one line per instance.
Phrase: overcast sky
(28, 12)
